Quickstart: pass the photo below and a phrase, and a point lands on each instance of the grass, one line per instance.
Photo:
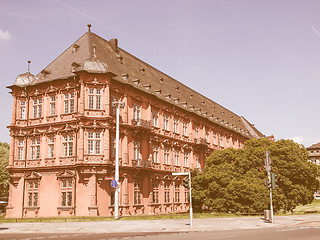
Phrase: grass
(124, 218)
(313, 207)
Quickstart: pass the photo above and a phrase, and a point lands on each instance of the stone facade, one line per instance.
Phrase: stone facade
(63, 135)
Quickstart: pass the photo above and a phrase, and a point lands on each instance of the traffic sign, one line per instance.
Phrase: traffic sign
(114, 183)
(180, 174)
(109, 178)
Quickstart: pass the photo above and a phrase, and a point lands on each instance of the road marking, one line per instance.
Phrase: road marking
(285, 230)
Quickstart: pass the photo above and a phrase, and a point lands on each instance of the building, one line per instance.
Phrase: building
(314, 157)
(63, 135)
(314, 153)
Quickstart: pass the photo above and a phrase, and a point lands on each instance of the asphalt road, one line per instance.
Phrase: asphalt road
(284, 233)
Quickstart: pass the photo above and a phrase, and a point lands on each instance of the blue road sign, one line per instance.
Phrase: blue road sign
(114, 183)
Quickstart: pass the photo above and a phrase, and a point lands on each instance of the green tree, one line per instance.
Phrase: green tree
(234, 180)
(4, 174)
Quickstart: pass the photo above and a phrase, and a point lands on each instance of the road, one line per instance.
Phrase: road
(294, 233)
(295, 227)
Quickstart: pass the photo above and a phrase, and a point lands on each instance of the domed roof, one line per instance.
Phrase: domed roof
(93, 65)
(24, 79)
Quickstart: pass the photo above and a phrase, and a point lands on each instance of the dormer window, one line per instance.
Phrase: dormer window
(161, 80)
(44, 73)
(75, 47)
(158, 92)
(184, 104)
(168, 96)
(125, 76)
(147, 87)
(136, 82)
(74, 66)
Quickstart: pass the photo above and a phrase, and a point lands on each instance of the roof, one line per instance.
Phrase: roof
(314, 146)
(94, 54)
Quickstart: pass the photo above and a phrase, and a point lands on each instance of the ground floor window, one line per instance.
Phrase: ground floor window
(177, 193)
(66, 192)
(186, 195)
(155, 193)
(33, 193)
(112, 198)
(167, 192)
(137, 193)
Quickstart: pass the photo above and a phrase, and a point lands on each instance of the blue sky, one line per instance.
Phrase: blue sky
(260, 59)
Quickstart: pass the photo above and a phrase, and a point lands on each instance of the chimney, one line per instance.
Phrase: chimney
(114, 44)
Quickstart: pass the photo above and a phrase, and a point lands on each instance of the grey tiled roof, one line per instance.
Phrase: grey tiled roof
(92, 53)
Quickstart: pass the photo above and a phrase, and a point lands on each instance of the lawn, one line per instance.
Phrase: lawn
(309, 208)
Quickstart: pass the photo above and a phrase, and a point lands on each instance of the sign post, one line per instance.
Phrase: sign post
(190, 207)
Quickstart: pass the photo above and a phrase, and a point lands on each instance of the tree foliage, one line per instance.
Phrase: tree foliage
(4, 174)
(234, 180)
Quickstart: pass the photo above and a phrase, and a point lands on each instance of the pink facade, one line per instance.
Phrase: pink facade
(63, 135)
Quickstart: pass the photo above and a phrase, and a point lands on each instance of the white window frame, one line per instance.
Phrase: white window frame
(94, 143)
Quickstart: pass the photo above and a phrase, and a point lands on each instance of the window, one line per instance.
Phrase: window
(215, 139)
(51, 147)
(113, 146)
(165, 122)
(186, 159)
(94, 98)
(113, 108)
(35, 149)
(155, 153)
(137, 193)
(67, 145)
(37, 108)
(112, 197)
(176, 157)
(154, 118)
(66, 192)
(197, 160)
(227, 142)
(196, 132)
(136, 150)
(186, 195)
(185, 129)
(166, 156)
(155, 192)
(176, 126)
(177, 193)
(33, 193)
(94, 142)
(207, 136)
(221, 141)
(69, 103)
(20, 149)
(22, 109)
(167, 193)
(136, 112)
(52, 105)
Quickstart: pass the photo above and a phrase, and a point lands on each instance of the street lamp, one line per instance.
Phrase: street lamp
(116, 194)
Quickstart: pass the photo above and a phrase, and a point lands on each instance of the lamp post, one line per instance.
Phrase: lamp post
(116, 194)
(268, 167)
(189, 180)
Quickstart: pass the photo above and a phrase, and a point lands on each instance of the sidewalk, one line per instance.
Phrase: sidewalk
(178, 225)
